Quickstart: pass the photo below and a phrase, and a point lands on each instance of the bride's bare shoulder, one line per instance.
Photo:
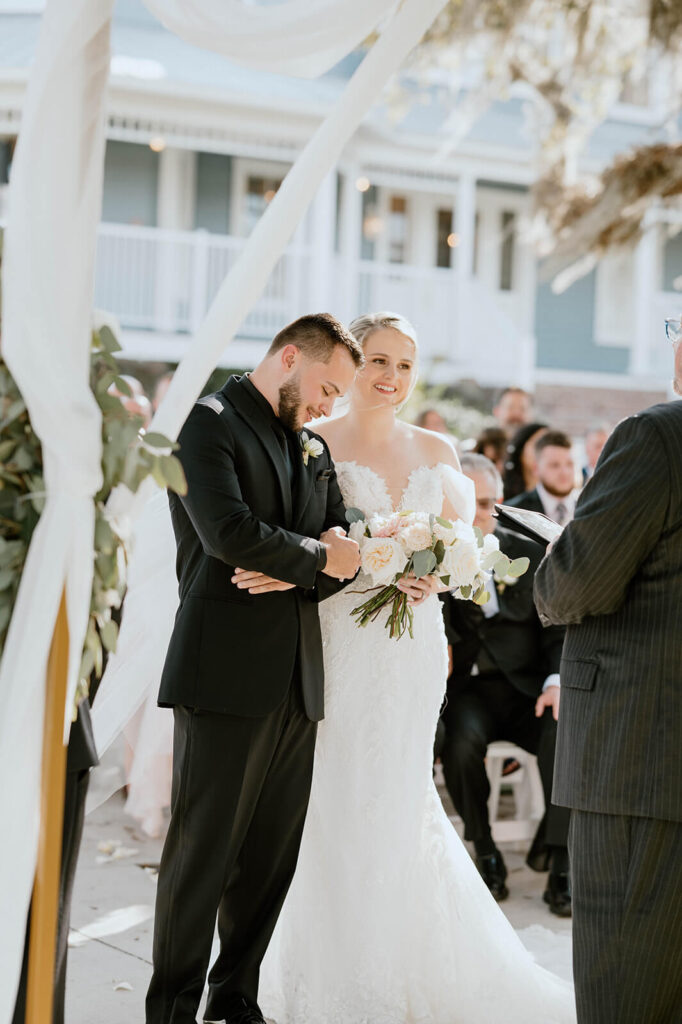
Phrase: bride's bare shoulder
(434, 447)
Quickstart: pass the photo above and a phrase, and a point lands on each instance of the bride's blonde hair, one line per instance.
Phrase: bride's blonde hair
(368, 323)
(363, 326)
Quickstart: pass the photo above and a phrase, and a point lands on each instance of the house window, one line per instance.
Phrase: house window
(398, 229)
(260, 191)
(445, 238)
(508, 228)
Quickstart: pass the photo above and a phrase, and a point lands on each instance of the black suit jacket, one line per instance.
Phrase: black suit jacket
(530, 500)
(513, 641)
(230, 651)
(615, 577)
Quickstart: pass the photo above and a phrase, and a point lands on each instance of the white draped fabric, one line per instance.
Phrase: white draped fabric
(54, 207)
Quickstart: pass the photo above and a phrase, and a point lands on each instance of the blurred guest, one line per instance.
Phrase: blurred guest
(513, 409)
(555, 493)
(504, 685)
(431, 419)
(492, 442)
(520, 469)
(595, 439)
(136, 402)
(162, 385)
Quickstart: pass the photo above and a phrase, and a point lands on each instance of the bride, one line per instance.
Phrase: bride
(387, 920)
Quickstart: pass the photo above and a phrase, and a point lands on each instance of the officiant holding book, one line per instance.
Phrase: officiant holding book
(614, 577)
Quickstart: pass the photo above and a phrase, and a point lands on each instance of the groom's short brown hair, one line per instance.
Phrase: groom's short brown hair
(317, 335)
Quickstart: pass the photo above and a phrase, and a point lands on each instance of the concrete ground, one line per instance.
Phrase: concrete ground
(112, 918)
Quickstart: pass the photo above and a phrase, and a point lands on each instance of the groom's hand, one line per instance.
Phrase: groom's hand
(343, 554)
(258, 582)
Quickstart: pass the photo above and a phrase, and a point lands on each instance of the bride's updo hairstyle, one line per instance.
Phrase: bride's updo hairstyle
(363, 326)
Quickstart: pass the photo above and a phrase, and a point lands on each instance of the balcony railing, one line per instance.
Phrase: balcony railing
(164, 281)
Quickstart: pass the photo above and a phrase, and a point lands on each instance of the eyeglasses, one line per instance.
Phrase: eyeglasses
(673, 330)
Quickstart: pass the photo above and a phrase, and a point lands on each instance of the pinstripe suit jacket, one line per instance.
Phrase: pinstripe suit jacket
(615, 578)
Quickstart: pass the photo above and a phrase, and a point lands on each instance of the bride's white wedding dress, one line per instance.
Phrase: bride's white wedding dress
(387, 920)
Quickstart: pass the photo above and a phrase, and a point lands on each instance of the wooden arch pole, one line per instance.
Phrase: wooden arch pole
(45, 904)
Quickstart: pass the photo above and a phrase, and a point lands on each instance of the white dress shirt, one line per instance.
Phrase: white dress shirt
(551, 501)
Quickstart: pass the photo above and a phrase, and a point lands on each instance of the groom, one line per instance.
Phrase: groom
(615, 577)
(244, 673)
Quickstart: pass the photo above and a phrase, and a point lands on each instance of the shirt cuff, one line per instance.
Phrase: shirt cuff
(322, 558)
(552, 680)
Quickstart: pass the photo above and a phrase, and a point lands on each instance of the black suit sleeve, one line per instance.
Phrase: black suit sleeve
(327, 586)
(226, 526)
(619, 518)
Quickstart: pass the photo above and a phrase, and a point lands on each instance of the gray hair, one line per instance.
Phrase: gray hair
(474, 463)
(368, 323)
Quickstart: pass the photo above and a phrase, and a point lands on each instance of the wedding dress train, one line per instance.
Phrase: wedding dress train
(387, 920)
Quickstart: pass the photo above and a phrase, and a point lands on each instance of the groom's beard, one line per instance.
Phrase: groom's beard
(290, 404)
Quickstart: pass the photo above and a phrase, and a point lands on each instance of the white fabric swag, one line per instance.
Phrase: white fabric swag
(54, 207)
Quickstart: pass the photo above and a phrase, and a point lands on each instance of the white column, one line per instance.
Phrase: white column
(646, 279)
(350, 241)
(322, 288)
(465, 228)
(176, 189)
(174, 212)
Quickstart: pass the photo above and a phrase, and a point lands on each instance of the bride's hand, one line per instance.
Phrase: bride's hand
(418, 590)
(258, 582)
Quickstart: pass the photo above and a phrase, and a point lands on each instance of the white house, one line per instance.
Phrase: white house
(197, 147)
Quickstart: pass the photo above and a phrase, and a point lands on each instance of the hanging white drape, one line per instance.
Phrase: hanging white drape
(54, 204)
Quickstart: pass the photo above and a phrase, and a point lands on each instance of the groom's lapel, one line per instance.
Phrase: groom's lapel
(304, 482)
(252, 415)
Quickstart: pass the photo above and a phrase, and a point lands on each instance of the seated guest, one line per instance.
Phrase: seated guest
(431, 419)
(492, 442)
(503, 685)
(555, 493)
(595, 439)
(513, 409)
(520, 469)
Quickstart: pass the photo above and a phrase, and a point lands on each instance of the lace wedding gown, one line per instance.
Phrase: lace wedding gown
(387, 920)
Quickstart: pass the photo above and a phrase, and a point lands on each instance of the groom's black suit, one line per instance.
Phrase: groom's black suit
(615, 577)
(244, 675)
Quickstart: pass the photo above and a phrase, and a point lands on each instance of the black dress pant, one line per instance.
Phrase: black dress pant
(627, 919)
(239, 800)
(490, 709)
(75, 792)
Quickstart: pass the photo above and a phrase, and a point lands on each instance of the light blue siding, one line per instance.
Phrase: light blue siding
(212, 210)
(564, 327)
(130, 184)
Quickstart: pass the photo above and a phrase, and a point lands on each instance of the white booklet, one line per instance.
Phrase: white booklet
(535, 525)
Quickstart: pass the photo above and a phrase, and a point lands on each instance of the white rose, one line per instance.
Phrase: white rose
(444, 533)
(415, 537)
(464, 531)
(381, 558)
(356, 531)
(490, 544)
(461, 563)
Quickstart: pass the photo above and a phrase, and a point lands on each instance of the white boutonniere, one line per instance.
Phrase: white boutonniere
(311, 447)
(502, 582)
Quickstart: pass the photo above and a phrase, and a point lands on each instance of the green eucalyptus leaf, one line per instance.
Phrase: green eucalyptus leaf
(6, 448)
(7, 577)
(174, 474)
(465, 592)
(107, 339)
(354, 515)
(518, 567)
(423, 562)
(445, 580)
(439, 551)
(156, 440)
(481, 596)
(444, 522)
(479, 536)
(87, 664)
(123, 386)
(104, 537)
(109, 635)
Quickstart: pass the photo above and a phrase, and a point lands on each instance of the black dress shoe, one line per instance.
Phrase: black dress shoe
(241, 1012)
(494, 872)
(558, 895)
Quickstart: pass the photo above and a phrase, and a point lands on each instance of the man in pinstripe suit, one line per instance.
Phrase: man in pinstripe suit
(615, 578)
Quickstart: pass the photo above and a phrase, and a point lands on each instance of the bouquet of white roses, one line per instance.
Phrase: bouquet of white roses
(422, 544)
